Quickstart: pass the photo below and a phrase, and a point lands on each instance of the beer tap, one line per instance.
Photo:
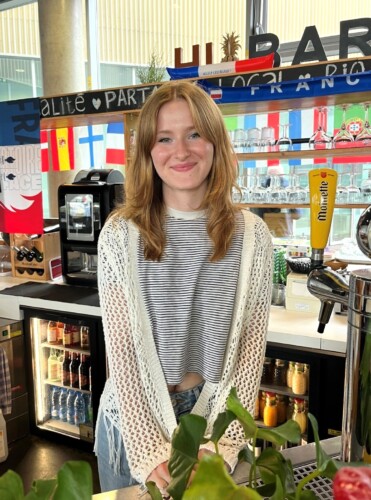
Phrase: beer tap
(330, 287)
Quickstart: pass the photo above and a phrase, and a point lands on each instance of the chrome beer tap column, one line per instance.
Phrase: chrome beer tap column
(330, 287)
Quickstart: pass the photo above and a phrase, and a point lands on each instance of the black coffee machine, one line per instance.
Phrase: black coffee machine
(83, 208)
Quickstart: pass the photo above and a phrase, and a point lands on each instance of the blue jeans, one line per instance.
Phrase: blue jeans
(109, 479)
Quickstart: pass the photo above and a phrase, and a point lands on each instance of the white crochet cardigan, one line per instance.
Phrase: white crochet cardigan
(135, 399)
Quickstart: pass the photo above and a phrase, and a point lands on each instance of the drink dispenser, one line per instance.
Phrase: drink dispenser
(330, 287)
(83, 208)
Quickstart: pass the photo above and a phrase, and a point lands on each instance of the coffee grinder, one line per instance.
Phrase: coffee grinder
(83, 208)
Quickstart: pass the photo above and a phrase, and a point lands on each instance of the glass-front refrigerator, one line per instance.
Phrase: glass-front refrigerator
(67, 370)
(297, 381)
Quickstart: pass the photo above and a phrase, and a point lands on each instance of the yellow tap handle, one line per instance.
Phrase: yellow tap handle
(322, 193)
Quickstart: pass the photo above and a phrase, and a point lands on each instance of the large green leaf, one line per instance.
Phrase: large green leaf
(186, 442)
(289, 431)
(212, 482)
(11, 486)
(74, 481)
(243, 416)
(272, 465)
(221, 424)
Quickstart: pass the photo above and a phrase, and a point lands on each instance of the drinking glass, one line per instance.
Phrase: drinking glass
(253, 139)
(320, 139)
(343, 136)
(277, 190)
(364, 137)
(341, 196)
(240, 139)
(296, 193)
(354, 192)
(260, 191)
(284, 142)
(366, 189)
(267, 139)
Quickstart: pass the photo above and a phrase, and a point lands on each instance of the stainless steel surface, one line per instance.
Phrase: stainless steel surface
(330, 287)
(359, 317)
(363, 232)
(321, 486)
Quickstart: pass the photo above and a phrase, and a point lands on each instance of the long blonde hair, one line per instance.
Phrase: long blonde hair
(143, 187)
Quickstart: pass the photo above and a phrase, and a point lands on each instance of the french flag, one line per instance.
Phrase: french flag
(115, 144)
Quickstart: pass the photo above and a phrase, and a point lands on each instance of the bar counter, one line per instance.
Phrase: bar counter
(302, 457)
(289, 328)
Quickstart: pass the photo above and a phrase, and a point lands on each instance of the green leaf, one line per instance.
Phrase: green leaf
(153, 490)
(279, 493)
(246, 455)
(42, 489)
(243, 416)
(212, 482)
(186, 442)
(74, 481)
(325, 464)
(221, 424)
(272, 465)
(11, 486)
(289, 431)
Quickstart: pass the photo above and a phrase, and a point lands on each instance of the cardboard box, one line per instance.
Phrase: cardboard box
(47, 244)
(298, 297)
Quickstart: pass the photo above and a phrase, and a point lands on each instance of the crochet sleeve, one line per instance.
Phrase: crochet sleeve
(248, 363)
(145, 445)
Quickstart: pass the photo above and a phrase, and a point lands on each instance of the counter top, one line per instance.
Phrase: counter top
(297, 329)
(53, 296)
(299, 456)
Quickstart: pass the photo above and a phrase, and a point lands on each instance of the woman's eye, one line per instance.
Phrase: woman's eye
(164, 139)
(195, 135)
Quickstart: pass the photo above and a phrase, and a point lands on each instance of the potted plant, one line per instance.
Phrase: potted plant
(211, 480)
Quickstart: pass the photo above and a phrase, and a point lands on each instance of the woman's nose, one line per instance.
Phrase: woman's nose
(182, 149)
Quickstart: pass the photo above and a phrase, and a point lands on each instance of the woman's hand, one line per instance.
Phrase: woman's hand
(161, 476)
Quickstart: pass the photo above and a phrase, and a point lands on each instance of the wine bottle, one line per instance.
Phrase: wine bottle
(66, 377)
(74, 370)
(84, 373)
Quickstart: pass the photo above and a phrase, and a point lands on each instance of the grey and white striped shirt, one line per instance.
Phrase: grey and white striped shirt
(190, 299)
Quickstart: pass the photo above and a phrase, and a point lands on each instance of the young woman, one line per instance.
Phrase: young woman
(184, 280)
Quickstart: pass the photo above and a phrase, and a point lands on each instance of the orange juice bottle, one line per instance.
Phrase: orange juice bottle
(270, 416)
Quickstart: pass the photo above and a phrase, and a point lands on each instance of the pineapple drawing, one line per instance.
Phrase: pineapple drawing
(230, 45)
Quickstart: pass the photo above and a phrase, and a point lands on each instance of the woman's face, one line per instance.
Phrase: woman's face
(181, 157)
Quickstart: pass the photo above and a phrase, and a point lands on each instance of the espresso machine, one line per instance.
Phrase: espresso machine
(354, 292)
(83, 208)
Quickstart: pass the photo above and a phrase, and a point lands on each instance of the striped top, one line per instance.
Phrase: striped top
(189, 299)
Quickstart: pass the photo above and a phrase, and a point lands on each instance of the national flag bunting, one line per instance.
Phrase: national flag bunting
(115, 144)
(62, 148)
(91, 146)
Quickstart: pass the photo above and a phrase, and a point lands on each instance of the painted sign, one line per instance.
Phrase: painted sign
(131, 98)
(20, 175)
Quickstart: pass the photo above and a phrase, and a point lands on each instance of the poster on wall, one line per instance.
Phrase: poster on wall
(20, 172)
